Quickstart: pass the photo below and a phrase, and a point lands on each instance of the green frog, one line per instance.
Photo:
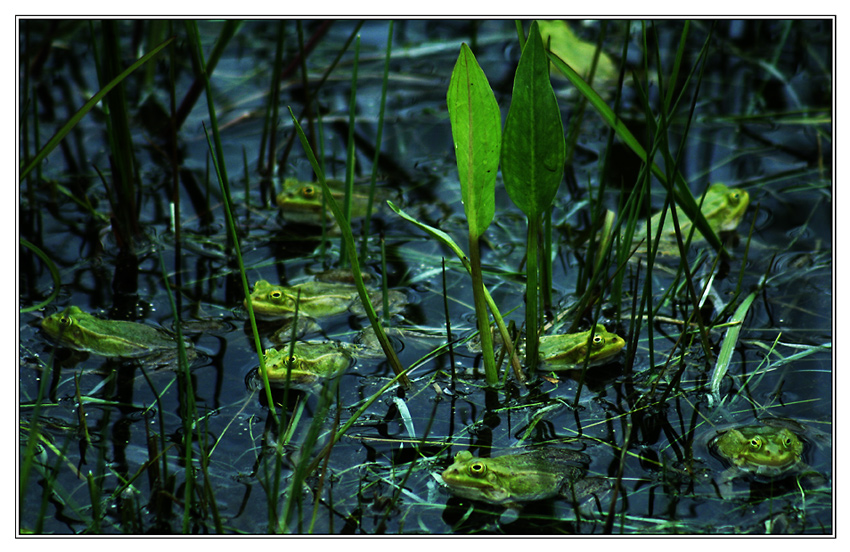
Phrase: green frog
(318, 300)
(723, 208)
(301, 202)
(524, 477)
(82, 331)
(764, 453)
(569, 351)
(311, 362)
(762, 450)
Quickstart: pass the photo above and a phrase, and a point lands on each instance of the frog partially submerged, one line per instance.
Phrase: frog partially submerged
(514, 478)
(569, 351)
(723, 209)
(301, 202)
(766, 452)
(81, 331)
(317, 300)
(761, 450)
(311, 362)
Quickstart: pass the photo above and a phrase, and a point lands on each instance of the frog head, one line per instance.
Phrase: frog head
(316, 299)
(471, 477)
(755, 447)
(297, 196)
(309, 362)
(64, 326)
(724, 207)
(271, 300)
(566, 351)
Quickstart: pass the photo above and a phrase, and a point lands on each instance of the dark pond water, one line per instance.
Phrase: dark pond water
(761, 122)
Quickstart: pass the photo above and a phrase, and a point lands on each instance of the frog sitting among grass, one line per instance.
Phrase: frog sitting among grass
(570, 351)
(515, 478)
(311, 362)
(763, 452)
(81, 331)
(317, 300)
(723, 209)
(301, 202)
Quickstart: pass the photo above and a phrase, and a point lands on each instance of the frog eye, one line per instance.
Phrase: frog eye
(276, 294)
(787, 440)
(734, 198)
(65, 321)
(598, 340)
(755, 443)
(477, 469)
(308, 192)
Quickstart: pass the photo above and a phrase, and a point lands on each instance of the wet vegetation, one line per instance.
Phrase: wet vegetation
(344, 242)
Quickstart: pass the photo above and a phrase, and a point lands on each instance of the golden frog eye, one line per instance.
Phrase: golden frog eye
(477, 469)
(308, 192)
(598, 340)
(734, 198)
(276, 294)
(755, 443)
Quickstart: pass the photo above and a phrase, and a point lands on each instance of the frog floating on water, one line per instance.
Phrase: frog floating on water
(312, 361)
(81, 331)
(569, 351)
(524, 477)
(765, 452)
(301, 202)
(761, 450)
(723, 209)
(318, 300)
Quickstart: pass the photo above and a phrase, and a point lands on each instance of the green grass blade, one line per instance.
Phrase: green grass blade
(54, 273)
(378, 138)
(728, 347)
(491, 304)
(681, 192)
(345, 228)
(77, 117)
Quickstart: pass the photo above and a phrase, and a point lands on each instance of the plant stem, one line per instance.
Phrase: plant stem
(481, 313)
(532, 314)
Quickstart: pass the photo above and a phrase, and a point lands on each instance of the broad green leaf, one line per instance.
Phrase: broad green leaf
(533, 148)
(476, 131)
